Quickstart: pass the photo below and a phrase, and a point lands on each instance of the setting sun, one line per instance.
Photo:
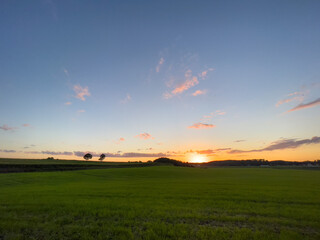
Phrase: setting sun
(198, 158)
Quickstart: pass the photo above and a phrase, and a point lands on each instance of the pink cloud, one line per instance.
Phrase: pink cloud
(202, 126)
(306, 105)
(199, 92)
(161, 61)
(190, 82)
(295, 96)
(81, 92)
(26, 125)
(5, 127)
(81, 111)
(204, 74)
(121, 139)
(144, 136)
(126, 99)
(67, 103)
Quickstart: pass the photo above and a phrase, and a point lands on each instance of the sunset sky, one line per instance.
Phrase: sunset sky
(136, 80)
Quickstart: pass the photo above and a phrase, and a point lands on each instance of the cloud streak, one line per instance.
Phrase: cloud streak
(199, 92)
(202, 126)
(81, 92)
(144, 136)
(281, 144)
(161, 61)
(5, 127)
(306, 105)
(126, 99)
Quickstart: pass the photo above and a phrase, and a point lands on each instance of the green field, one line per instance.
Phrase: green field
(161, 203)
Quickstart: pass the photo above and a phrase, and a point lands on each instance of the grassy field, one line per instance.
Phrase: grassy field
(161, 203)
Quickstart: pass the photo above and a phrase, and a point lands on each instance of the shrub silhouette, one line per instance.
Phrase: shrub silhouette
(87, 156)
(102, 157)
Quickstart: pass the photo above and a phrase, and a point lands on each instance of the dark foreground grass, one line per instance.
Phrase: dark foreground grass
(161, 203)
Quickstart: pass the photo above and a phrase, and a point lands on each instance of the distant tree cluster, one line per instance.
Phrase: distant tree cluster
(259, 162)
(172, 161)
(89, 156)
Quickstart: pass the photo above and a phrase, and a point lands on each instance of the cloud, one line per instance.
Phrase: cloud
(126, 99)
(281, 144)
(295, 96)
(189, 82)
(7, 151)
(66, 72)
(67, 103)
(5, 127)
(81, 92)
(212, 114)
(241, 140)
(161, 61)
(57, 153)
(81, 111)
(144, 136)
(208, 151)
(26, 125)
(202, 126)
(199, 92)
(306, 105)
(204, 74)
(120, 140)
(222, 149)
(123, 155)
(50, 153)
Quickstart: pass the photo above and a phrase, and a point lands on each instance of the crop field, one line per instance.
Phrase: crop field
(161, 202)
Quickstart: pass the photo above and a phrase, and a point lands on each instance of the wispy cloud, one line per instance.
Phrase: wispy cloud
(204, 73)
(281, 144)
(26, 125)
(5, 127)
(240, 140)
(81, 111)
(67, 103)
(199, 92)
(123, 155)
(66, 72)
(202, 126)
(306, 105)
(296, 96)
(120, 140)
(7, 151)
(50, 153)
(126, 99)
(161, 61)
(189, 82)
(213, 114)
(208, 151)
(81, 92)
(144, 136)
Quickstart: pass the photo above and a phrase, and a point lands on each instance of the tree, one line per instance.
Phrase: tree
(102, 156)
(87, 156)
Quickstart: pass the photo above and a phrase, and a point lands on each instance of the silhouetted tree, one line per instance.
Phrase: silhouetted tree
(87, 156)
(102, 156)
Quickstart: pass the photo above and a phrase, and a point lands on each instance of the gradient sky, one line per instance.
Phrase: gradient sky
(193, 80)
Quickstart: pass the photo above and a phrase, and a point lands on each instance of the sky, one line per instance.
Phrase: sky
(136, 80)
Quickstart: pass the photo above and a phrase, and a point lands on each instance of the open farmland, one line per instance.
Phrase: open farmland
(161, 202)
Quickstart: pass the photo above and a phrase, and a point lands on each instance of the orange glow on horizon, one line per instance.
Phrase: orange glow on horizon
(197, 158)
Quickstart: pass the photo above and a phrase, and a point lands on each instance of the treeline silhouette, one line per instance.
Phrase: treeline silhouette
(238, 163)
(172, 162)
(260, 162)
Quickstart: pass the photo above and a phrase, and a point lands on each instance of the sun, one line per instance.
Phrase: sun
(198, 158)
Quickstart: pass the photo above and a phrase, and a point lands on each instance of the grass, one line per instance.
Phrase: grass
(161, 203)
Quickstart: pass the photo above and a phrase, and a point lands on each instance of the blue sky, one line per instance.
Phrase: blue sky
(166, 77)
